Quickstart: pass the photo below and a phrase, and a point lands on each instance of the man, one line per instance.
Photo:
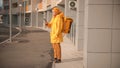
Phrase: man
(56, 25)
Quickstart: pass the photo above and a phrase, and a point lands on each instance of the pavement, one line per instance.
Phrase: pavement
(30, 49)
(71, 58)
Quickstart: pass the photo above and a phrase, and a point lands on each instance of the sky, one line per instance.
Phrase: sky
(0, 3)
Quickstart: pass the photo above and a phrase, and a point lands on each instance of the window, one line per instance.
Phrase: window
(29, 2)
(6, 7)
(14, 5)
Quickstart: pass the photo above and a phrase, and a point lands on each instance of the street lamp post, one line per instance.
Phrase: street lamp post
(24, 13)
(10, 16)
(20, 23)
(36, 17)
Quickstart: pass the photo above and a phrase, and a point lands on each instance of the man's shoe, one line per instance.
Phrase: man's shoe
(55, 59)
(58, 61)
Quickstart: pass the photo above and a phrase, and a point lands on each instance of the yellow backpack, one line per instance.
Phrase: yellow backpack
(67, 25)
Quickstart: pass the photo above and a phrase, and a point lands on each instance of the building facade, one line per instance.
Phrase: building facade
(5, 12)
(16, 11)
(95, 30)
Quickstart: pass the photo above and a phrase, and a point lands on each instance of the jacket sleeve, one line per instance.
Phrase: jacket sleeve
(50, 23)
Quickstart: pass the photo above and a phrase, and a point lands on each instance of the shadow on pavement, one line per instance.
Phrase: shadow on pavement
(49, 65)
(73, 59)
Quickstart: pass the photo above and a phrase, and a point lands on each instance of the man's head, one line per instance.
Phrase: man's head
(56, 11)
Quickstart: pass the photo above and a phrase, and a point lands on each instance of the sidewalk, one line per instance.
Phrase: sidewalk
(71, 58)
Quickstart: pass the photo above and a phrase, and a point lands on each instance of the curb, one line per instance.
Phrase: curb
(13, 36)
(53, 64)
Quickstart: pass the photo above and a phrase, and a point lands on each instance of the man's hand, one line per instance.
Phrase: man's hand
(46, 24)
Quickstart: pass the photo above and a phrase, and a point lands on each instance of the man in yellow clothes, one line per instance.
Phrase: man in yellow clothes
(56, 25)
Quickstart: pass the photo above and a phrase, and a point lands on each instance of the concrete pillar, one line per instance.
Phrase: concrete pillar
(33, 13)
(40, 19)
(44, 17)
(80, 25)
(14, 20)
(102, 34)
(49, 15)
(22, 18)
(72, 14)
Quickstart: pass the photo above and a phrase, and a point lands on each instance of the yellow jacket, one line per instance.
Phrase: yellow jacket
(56, 25)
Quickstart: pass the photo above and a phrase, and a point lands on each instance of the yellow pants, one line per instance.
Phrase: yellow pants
(57, 50)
